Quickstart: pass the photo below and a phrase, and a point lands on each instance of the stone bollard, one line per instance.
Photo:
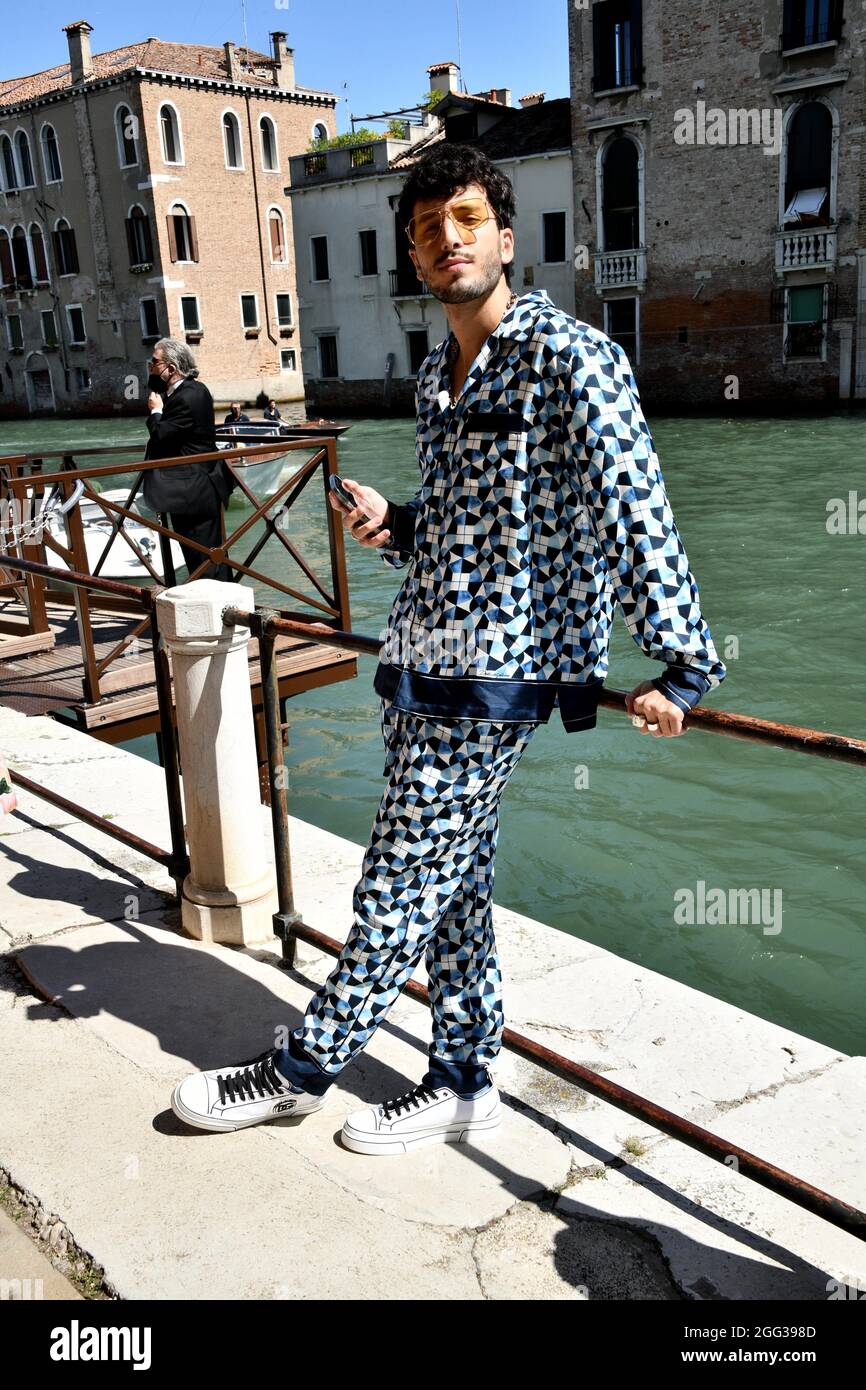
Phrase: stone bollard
(230, 892)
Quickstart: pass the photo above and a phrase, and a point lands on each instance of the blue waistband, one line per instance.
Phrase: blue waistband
(477, 697)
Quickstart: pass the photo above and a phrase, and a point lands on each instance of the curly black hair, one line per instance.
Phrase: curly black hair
(449, 167)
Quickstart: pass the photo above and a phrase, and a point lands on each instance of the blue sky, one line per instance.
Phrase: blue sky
(380, 50)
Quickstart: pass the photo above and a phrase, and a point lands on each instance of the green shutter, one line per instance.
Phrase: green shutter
(806, 304)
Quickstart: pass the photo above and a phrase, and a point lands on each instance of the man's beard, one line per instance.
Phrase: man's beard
(485, 276)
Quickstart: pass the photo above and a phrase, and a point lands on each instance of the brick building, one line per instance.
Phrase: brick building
(720, 195)
(141, 196)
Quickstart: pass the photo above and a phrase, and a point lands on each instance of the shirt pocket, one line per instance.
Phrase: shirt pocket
(494, 461)
(496, 424)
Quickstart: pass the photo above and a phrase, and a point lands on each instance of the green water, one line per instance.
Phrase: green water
(658, 815)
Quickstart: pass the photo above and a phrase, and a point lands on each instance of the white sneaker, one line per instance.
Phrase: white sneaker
(234, 1097)
(423, 1115)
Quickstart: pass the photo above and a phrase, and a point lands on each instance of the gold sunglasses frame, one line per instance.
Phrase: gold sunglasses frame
(443, 212)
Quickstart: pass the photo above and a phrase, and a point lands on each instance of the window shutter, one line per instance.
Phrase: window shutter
(130, 242)
(274, 225)
(73, 251)
(57, 248)
(7, 273)
(193, 239)
(172, 238)
(597, 48)
(148, 239)
(636, 35)
(777, 304)
(835, 19)
(39, 258)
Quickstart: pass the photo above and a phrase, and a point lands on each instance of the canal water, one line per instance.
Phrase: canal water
(606, 835)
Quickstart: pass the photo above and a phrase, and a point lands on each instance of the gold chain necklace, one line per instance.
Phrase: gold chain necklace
(512, 301)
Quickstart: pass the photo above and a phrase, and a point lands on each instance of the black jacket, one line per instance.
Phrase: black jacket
(186, 426)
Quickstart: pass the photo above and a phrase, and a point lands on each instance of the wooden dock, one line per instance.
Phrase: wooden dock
(52, 680)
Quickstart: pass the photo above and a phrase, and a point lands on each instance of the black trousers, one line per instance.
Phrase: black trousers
(204, 526)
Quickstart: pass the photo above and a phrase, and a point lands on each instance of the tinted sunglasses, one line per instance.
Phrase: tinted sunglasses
(468, 214)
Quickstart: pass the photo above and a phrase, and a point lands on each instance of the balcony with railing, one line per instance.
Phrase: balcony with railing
(812, 248)
(618, 269)
(344, 161)
(404, 284)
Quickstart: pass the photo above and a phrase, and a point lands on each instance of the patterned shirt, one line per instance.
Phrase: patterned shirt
(541, 502)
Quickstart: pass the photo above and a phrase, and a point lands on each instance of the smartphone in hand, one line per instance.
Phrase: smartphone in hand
(338, 487)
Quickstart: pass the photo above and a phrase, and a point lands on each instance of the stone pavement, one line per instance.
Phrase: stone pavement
(106, 1004)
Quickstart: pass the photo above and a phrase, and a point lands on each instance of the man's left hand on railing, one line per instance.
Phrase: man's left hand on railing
(648, 702)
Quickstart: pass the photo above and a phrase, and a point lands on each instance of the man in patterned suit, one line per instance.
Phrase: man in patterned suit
(541, 502)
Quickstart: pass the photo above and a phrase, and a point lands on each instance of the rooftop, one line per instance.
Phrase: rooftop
(156, 55)
(519, 132)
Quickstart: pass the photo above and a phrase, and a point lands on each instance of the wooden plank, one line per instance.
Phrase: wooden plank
(38, 682)
(11, 646)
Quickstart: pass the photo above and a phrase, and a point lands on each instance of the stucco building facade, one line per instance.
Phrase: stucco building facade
(141, 195)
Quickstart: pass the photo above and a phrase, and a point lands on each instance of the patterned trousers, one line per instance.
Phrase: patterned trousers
(426, 887)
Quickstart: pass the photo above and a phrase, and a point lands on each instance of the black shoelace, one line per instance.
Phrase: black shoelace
(259, 1079)
(411, 1098)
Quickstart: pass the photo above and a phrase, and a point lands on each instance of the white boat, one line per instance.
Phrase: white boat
(121, 561)
(262, 477)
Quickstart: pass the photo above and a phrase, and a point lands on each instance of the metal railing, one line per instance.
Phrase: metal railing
(176, 860)
(266, 626)
(25, 473)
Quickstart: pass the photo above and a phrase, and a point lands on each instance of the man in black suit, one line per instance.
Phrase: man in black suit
(181, 421)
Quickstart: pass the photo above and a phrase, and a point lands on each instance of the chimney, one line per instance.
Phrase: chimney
(80, 58)
(532, 99)
(502, 94)
(232, 65)
(443, 78)
(284, 62)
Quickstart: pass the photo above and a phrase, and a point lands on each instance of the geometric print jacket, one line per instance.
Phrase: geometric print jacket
(542, 503)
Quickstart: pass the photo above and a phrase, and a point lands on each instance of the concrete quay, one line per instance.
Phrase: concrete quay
(106, 1003)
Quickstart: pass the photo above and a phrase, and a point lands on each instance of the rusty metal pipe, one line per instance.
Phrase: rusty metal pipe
(162, 856)
(768, 1175)
(837, 747)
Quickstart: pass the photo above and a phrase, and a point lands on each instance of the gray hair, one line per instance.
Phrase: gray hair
(178, 355)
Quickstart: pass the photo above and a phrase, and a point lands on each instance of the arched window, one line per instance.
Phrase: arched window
(40, 260)
(620, 195)
(7, 160)
(138, 237)
(182, 239)
(127, 136)
(51, 155)
(808, 166)
(65, 249)
(232, 141)
(169, 132)
(21, 259)
(277, 233)
(320, 132)
(25, 163)
(7, 270)
(270, 160)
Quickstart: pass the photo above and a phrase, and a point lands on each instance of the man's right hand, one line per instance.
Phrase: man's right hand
(370, 504)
